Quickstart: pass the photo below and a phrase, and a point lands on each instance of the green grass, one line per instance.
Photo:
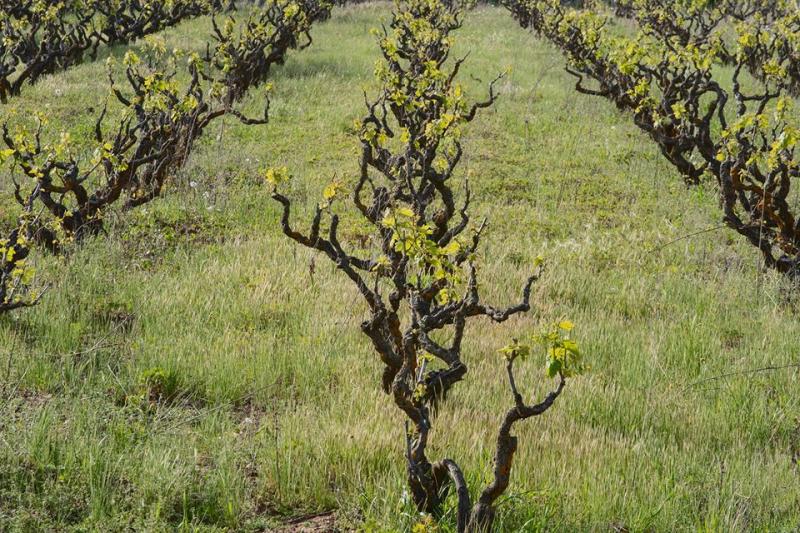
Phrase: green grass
(187, 371)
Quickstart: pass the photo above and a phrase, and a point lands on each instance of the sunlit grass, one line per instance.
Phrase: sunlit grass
(277, 409)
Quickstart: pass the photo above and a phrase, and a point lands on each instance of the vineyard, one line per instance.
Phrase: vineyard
(422, 265)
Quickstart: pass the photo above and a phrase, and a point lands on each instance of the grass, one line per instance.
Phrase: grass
(190, 371)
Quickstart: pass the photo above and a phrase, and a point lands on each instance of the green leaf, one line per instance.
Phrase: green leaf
(553, 368)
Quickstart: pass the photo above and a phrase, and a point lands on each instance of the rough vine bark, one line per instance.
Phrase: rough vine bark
(421, 280)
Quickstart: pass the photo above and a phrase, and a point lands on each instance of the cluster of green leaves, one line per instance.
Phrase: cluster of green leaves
(562, 354)
(428, 263)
